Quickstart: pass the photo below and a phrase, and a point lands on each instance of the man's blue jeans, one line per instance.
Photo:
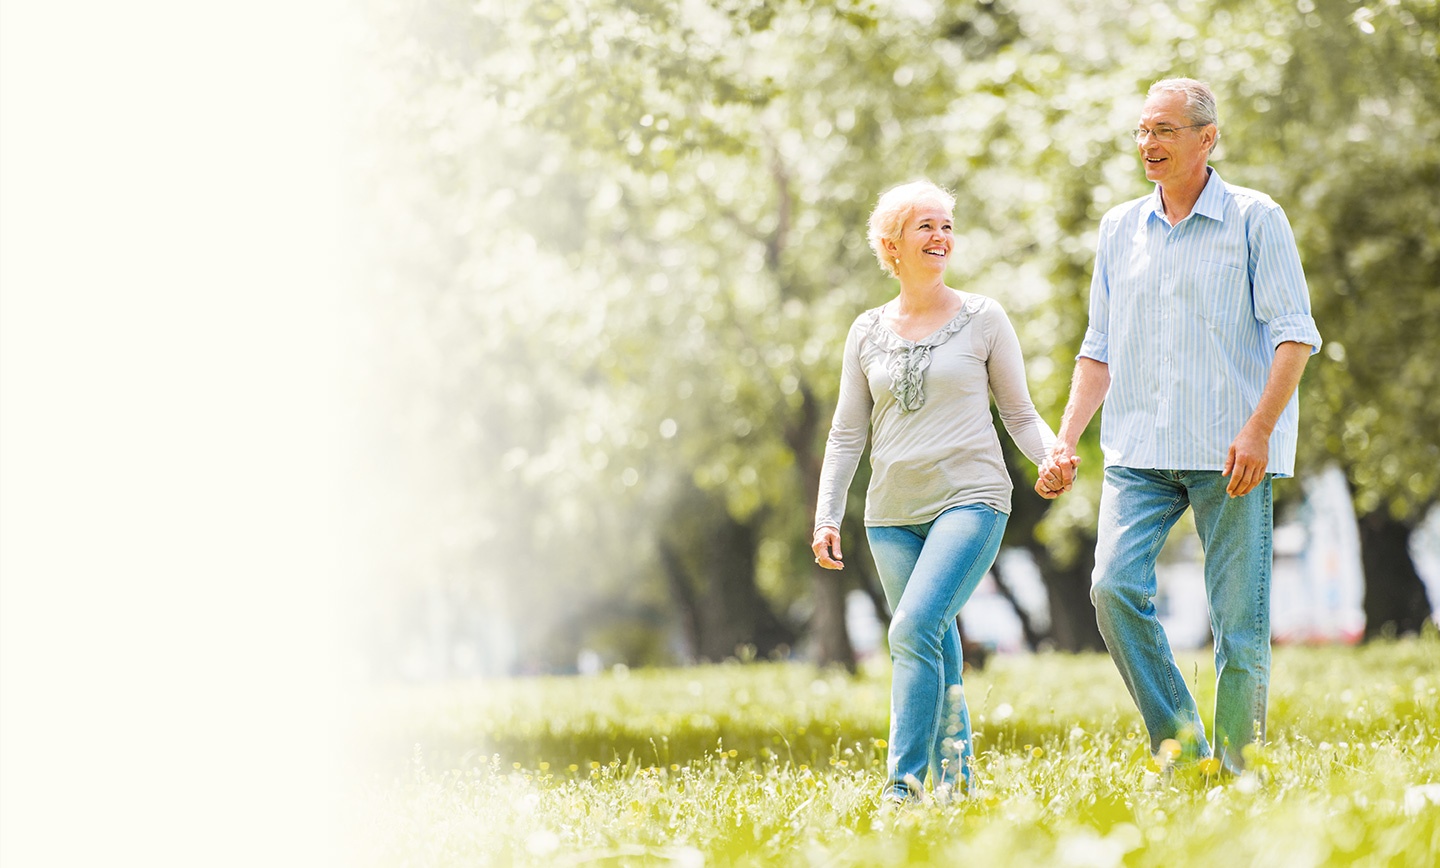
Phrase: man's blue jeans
(1137, 510)
(929, 571)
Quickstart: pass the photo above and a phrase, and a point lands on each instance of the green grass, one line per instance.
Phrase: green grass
(773, 765)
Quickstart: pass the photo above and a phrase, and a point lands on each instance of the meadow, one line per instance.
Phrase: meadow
(781, 765)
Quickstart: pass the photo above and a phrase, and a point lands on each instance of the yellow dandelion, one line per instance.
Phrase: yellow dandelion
(544, 767)
(1129, 736)
(880, 743)
(734, 753)
(1210, 766)
(674, 767)
(1037, 752)
(594, 765)
(515, 765)
(574, 767)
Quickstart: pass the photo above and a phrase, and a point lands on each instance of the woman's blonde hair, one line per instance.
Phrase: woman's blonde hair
(896, 205)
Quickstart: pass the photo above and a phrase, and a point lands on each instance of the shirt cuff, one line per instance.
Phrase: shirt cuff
(1296, 327)
(1095, 346)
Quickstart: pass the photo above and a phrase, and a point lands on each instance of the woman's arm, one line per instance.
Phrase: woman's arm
(1006, 367)
(848, 431)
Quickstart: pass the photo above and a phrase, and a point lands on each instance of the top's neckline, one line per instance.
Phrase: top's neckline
(968, 307)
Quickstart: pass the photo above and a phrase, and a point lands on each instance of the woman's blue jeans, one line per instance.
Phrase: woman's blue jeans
(928, 572)
(1137, 510)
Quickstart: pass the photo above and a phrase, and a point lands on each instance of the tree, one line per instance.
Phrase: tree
(626, 241)
(1341, 127)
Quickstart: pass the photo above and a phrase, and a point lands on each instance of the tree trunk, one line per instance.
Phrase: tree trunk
(1033, 636)
(1067, 585)
(709, 559)
(827, 628)
(1395, 601)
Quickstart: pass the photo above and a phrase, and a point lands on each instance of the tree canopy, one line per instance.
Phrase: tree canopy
(617, 244)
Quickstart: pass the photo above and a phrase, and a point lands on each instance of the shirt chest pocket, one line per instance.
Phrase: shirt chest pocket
(1224, 292)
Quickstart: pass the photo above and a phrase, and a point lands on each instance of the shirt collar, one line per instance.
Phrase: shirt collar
(1210, 204)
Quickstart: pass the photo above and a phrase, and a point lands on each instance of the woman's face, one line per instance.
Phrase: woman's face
(926, 240)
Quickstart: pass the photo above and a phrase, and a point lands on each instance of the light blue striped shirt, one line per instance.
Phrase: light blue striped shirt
(1188, 318)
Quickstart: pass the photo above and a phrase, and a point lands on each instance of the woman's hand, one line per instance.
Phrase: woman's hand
(826, 546)
(1057, 474)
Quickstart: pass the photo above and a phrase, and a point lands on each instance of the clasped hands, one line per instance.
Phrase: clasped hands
(1057, 473)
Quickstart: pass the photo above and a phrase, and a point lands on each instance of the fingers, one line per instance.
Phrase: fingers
(1066, 473)
(1245, 477)
(1057, 474)
(826, 547)
(1049, 485)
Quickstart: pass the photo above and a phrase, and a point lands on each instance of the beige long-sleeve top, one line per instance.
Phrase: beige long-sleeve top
(926, 406)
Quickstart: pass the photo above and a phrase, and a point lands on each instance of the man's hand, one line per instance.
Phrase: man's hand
(1057, 474)
(1249, 455)
(826, 546)
(1246, 461)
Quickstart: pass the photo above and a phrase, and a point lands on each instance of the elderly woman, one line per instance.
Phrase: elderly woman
(917, 377)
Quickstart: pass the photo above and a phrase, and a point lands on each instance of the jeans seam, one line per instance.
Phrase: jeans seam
(1262, 618)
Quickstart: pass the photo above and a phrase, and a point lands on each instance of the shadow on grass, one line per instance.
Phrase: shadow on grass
(820, 746)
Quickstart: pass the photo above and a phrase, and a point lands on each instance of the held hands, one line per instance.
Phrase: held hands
(1057, 474)
(1246, 461)
(827, 549)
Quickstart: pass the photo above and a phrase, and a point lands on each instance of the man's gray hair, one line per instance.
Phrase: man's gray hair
(1199, 99)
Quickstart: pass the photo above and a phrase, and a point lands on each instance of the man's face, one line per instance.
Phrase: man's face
(1183, 157)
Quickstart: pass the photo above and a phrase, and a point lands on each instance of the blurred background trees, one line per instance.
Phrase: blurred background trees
(614, 248)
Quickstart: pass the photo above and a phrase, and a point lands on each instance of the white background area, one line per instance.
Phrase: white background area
(167, 278)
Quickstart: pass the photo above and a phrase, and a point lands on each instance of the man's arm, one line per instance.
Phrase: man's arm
(1250, 453)
(1088, 387)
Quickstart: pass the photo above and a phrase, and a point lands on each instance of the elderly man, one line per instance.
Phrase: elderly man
(1199, 330)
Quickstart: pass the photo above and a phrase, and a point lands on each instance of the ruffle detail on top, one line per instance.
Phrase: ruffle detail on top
(907, 360)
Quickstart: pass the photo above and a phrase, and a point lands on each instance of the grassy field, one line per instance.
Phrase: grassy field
(781, 765)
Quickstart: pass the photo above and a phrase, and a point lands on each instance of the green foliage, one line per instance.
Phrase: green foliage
(732, 765)
(617, 245)
(1342, 132)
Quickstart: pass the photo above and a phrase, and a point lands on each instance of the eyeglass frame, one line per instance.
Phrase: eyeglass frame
(1140, 134)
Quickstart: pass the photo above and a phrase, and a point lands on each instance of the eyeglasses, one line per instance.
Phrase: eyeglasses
(1163, 133)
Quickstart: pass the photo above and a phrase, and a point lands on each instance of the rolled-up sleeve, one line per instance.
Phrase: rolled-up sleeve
(1282, 300)
(1097, 340)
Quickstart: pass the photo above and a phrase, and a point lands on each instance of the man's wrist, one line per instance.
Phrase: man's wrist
(1261, 426)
